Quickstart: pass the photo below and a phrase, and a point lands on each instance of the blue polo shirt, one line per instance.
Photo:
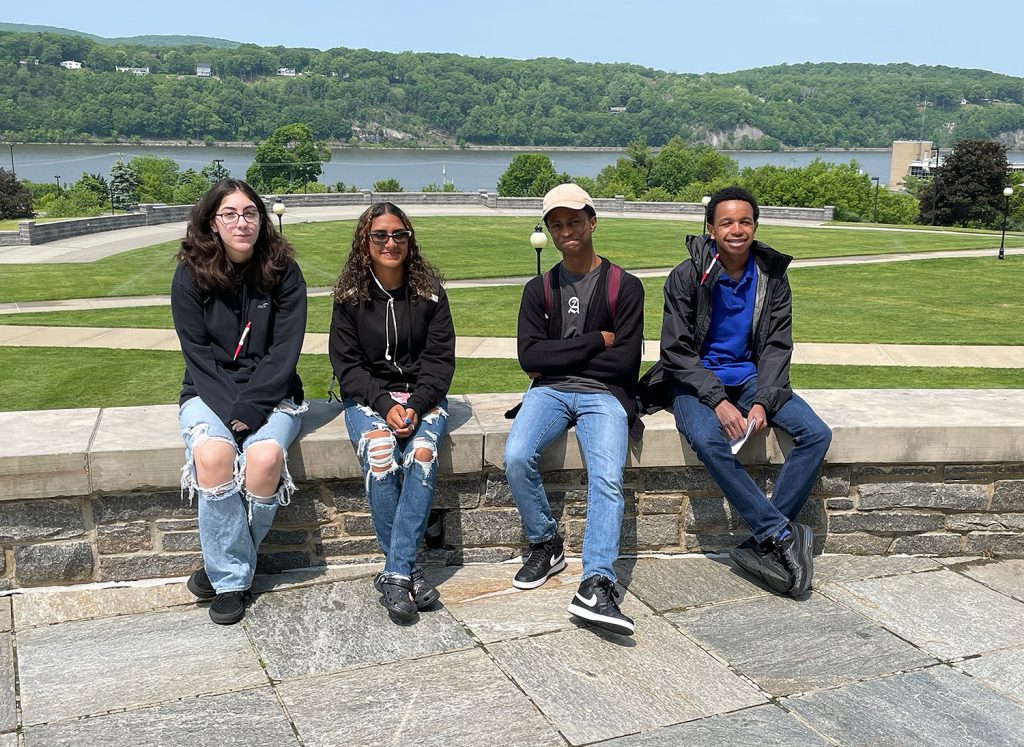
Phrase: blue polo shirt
(726, 349)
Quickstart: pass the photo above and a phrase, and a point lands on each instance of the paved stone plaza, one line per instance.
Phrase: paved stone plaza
(886, 650)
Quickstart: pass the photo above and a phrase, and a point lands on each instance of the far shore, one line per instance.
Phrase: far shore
(444, 149)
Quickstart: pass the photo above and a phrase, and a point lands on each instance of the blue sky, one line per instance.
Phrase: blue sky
(676, 36)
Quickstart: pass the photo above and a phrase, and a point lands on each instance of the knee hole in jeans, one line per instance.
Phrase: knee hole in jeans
(380, 451)
(214, 460)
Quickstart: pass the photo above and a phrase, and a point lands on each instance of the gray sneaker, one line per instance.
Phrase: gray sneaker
(763, 564)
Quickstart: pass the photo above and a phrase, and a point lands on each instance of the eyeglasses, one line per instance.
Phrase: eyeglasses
(251, 215)
(380, 238)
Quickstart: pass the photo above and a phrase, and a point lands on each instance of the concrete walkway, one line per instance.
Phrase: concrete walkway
(100, 245)
(871, 354)
(885, 650)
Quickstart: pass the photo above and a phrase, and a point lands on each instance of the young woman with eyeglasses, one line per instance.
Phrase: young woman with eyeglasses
(392, 346)
(239, 304)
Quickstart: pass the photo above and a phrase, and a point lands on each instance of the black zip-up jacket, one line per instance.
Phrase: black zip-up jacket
(422, 354)
(687, 317)
(542, 349)
(210, 323)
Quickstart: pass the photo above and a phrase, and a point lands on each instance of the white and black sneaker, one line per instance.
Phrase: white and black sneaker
(545, 560)
(596, 601)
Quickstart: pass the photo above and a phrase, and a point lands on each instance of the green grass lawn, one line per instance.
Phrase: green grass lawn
(51, 378)
(933, 301)
(463, 247)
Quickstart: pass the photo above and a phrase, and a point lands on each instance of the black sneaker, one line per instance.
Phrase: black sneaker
(763, 564)
(199, 584)
(424, 594)
(396, 596)
(229, 607)
(796, 553)
(545, 560)
(596, 602)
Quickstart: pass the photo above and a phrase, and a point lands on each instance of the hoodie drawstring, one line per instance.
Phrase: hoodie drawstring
(389, 315)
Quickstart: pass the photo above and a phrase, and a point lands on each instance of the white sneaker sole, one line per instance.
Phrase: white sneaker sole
(558, 567)
(613, 624)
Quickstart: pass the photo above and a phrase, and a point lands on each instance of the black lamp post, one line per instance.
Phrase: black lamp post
(935, 185)
(278, 209)
(57, 179)
(538, 240)
(1007, 193)
(12, 161)
(874, 219)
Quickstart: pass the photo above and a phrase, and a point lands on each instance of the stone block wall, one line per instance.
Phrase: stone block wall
(97, 506)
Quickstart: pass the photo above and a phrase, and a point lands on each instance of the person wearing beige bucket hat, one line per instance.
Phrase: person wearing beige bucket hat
(580, 336)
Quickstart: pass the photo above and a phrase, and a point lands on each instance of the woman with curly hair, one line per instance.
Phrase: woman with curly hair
(239, 304)
(392, 346)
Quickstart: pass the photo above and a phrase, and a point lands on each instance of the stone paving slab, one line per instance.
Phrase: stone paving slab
(937, 707)
(751, 727)
(329, 628)
(93, 666)
(6, 618)
(688, 582)
(455, 699)
(855, 567)
(1006, 576)
(9, 739)
(1003, 671)
(497, 611)
(595, 686)
(48, 607)
(941, 612)
(8, 697)
(241, 719)
(788, 646)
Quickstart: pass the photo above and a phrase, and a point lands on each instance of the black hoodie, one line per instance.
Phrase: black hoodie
(374, 352)
(210, 323)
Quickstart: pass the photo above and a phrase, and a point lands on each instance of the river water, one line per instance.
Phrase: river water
(469, 170)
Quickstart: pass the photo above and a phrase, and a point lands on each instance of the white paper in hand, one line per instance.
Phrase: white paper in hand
(737, 443)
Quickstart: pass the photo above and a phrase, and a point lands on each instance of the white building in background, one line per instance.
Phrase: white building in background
(204, 70)
(71, 65)
(133, 70)
(288, 72)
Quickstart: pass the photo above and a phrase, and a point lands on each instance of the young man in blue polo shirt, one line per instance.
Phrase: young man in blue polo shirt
(726, 344)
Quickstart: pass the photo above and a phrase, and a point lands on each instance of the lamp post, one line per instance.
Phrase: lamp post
(1007, 193)
(12, 161)
(57, 179)
(935, 184)
(874, 214)
(278, 209)
(538, 240)
(704, 201)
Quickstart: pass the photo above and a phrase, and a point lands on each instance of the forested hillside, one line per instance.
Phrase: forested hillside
(418, 98)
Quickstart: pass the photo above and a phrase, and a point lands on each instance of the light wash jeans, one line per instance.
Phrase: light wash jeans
(233, 523)
(402, 492)
(602, 432)
(811, 438)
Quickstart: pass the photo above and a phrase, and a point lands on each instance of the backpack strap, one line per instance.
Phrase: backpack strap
(547, 294)
(614, 282)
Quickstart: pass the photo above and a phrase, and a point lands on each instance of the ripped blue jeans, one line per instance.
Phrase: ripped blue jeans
(399, 487)
(232, 521)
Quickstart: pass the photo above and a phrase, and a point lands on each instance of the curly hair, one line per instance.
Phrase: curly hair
(355, 280)
(204, 255)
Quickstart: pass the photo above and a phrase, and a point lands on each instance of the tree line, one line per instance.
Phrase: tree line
(362, 96)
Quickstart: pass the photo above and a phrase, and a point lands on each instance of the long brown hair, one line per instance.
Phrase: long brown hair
(355, 280)
(203, 253)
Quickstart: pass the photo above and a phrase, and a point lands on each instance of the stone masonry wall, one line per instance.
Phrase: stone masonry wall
(924, 509)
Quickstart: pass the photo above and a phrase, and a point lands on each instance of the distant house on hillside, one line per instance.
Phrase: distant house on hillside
(616, 109)
(288, 72)
(204, 70)
(29, 61)
(71, 65)
(132, 70)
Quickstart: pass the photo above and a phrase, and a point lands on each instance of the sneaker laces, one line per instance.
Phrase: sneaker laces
(539, 555)
(608, 589)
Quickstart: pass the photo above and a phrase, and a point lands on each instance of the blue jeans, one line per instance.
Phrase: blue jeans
(232, 522)
(399, 487)
(602, 432)
(811, 438)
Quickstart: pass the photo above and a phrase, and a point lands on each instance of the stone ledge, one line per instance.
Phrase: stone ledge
(53, 453)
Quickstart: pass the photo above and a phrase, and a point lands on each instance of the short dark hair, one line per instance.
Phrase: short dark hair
(730, 193)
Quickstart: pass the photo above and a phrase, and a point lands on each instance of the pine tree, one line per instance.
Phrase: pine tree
(124, 186)
(215, 171)
(15, 197)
